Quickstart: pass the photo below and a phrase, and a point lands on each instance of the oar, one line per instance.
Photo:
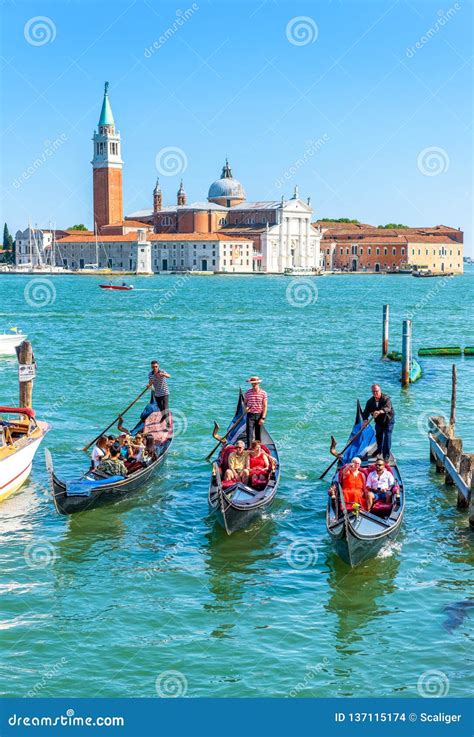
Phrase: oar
(222, 440)
(86, 447)
(344, 449)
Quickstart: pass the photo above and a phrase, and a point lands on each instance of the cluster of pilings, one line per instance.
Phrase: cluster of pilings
(447, 453)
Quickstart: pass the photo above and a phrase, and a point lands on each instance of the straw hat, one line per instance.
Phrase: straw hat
(254, 380)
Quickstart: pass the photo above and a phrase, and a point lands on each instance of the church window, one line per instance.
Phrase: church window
(394, 251)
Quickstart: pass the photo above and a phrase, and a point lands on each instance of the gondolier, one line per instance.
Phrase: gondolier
(380, 407)
(256, 404)
(160, 392)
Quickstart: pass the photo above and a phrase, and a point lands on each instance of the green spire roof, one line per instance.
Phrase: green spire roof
(106, 116)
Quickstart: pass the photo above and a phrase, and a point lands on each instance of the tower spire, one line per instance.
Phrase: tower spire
(181, 194)
(106, 115)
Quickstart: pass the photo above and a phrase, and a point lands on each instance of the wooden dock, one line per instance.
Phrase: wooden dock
(447, 453)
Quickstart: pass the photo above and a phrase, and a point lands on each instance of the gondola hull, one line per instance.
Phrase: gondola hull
(104, 493)
(236, 508)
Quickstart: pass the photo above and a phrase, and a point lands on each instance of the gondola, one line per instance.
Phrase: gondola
(236, 505)
(359, 535)
(94, 490)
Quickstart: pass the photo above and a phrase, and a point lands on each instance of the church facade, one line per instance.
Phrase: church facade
(280, 231)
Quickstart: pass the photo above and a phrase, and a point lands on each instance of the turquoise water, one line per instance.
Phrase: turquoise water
(107, 602)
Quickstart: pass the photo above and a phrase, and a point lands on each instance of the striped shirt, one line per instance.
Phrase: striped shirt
(160, 387)
(254, 400)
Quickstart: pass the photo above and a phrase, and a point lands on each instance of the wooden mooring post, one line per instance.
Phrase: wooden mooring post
(26, 373)
(406, 352)
(385, 330)
(447, 452)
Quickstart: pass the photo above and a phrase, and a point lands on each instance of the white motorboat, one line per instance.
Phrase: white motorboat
(20, 438)
(9, 341)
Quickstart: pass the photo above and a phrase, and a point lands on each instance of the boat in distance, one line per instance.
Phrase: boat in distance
(234, 504)
(358, 535)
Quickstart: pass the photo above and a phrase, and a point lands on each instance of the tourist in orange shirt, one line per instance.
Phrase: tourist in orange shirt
(353, 484)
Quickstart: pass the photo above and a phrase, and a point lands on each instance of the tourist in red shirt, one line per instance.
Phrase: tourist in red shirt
(256, 404)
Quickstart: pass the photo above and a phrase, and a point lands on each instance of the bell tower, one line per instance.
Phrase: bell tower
(181, 196)
(107, 169)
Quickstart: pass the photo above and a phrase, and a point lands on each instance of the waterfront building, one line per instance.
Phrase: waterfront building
(146, 252)
(362, 247)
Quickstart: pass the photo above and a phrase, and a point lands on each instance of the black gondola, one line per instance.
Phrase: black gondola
(235, 504)
(359, 535)
(94, 490)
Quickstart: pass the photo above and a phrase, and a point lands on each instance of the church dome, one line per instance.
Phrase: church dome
(226, 187)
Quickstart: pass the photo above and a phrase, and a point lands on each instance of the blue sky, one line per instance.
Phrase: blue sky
(388, 99)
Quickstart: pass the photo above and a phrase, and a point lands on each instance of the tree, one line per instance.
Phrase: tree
(81, 226)
(7, 239)
(392, 226)
(340, 220)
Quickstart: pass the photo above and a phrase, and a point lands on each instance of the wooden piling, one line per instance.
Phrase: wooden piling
(406, 352)
(452, 414)
(453, 454)
(385, 331)
(466, 471)
(25, 358)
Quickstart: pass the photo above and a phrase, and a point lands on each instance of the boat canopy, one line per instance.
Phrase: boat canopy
(18, 411)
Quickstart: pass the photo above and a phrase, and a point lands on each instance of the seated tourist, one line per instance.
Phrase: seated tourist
(113, 466)
(137, 446)
(149, 452)
(380, 484)
(259, 464)
(100, 452)
(353, 485)
(125, 450)
(238, 464)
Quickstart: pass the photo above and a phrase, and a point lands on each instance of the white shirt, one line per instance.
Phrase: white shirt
(384, 482)
(97, 455)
